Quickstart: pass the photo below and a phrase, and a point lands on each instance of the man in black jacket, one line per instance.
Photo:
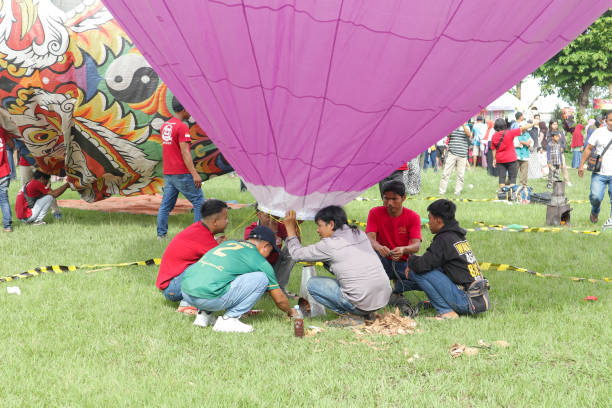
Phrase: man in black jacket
(448, 266)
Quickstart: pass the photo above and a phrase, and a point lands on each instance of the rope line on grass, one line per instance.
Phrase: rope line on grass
(482, 226)
(488, 266)
(57, 269)
(462, 200)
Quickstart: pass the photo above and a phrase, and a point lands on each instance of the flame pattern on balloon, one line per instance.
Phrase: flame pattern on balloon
(313, 101)
(85, 102)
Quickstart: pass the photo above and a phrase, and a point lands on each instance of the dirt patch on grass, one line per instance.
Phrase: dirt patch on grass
(142, 204)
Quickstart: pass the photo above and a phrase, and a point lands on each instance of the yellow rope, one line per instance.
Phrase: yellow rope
(247, 219)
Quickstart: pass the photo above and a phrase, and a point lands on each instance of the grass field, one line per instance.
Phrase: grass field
(108, 338)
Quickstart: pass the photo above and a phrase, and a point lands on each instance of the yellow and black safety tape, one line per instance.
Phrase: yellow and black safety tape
(461, 200)
(355, 222)
(56, 269)
(488, 266)
(363, 224)
(482, 226)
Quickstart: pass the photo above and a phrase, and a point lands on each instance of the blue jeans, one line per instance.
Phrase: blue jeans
(11, 161)
(396, 271)
(244, 292)
(326, 291)
(576, 156)
(173, 185)
(444, 295)
(173, 291)
(598, 191)
(430, 160)
(5, 206)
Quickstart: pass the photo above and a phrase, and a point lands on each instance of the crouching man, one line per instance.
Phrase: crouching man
(35, 198)
(187, 247)
(448, 269)
(232, 277)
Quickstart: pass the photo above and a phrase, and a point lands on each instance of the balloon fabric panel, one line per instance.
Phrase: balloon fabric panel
(315, 101)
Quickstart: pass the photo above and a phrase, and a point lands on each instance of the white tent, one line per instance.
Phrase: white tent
(506, 102)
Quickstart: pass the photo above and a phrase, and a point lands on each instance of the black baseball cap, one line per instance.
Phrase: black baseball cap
(264, 234)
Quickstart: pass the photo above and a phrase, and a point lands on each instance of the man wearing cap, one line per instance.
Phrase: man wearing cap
(187, 247)
(232, 277)
(180, 175)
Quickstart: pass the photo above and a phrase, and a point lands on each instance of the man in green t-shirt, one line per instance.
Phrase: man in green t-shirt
(232, 277)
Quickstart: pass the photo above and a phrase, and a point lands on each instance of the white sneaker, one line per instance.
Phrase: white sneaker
(204, 319)
(607, 224)
(231, 325)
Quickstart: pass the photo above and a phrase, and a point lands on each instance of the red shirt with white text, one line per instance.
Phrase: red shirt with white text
(172, 133)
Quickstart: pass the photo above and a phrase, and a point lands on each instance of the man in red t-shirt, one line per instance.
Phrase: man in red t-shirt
(281, 261)
(187, 247)
(395, 233)
(5, 181)
(26, 172)
(35, 198)
(180, 175)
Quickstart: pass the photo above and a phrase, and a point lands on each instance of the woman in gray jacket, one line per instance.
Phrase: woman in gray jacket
(361, 286)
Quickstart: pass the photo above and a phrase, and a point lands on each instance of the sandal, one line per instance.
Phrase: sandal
(446, 317)
(188, 310)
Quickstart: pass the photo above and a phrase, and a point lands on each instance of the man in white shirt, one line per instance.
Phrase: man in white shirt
(600, 140)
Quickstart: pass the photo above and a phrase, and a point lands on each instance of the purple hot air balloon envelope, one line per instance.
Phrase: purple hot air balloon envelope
(314, 101)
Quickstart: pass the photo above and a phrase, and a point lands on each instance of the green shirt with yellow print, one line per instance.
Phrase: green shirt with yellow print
(211, 276)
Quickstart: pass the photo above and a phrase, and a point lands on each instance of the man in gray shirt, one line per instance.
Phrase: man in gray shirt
(361, 285)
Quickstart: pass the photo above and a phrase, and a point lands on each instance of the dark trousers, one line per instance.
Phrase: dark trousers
(396, 271)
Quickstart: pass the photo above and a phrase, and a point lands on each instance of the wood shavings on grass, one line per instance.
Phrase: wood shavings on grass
(313, 331)
(457, 350)
(389, 324)
(412, 358)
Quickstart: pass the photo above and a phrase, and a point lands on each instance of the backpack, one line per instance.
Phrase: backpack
(522, 194)
(507, 193)
(504, 194)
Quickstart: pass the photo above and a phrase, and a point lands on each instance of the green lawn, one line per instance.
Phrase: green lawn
(108, 338)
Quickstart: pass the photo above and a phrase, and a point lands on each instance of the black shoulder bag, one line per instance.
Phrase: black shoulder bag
(478, 295)
(501, 139)
(594, 161)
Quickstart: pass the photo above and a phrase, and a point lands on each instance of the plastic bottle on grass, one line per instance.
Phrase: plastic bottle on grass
(298, 323)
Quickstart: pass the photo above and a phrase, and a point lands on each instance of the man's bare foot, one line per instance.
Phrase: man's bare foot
(446, 316)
